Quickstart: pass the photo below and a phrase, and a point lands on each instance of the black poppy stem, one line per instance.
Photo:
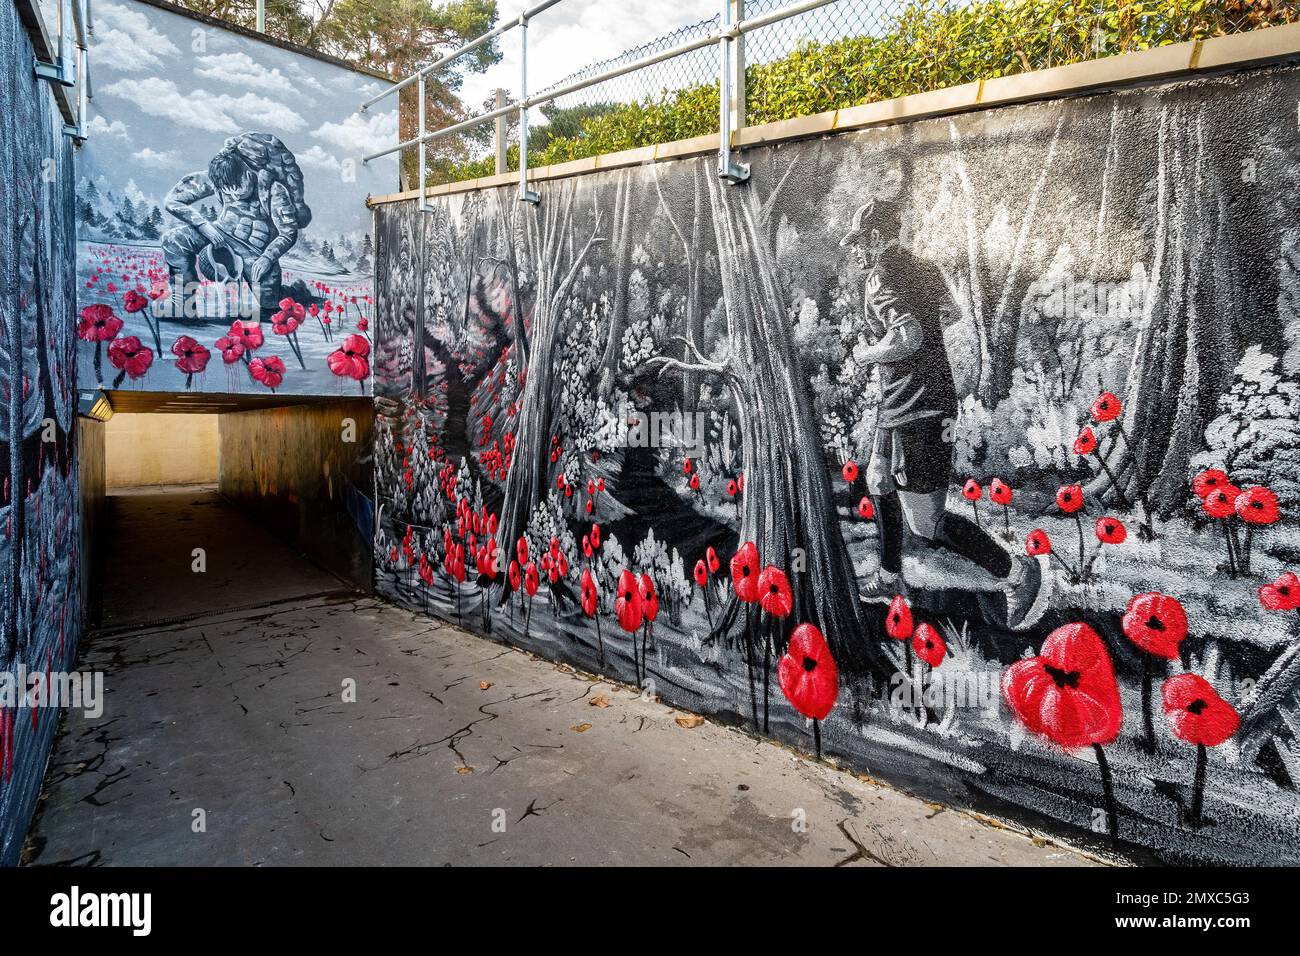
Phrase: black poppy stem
(1245, 557)
(749, 662)
(600, 641)
(1123, 498)
(767, 668)
(975, 507)
(1148, 728)
(1198, 787)
(1006, 521)
(1078, 523)
(817, 738)
(99, 363)
(528, 616)
(708, 610)
(1232, 552)
(1108, 791)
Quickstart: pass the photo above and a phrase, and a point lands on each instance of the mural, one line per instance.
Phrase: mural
(224, 238)
(965, 451)
(39, 505)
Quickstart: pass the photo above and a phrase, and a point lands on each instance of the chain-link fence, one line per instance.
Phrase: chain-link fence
(849, 52)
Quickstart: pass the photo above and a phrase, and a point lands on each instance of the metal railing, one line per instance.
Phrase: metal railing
(59, 38)
(724, 36)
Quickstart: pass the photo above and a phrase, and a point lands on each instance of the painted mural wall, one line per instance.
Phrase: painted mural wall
(965, 452)
(39, 507)
(224, 241)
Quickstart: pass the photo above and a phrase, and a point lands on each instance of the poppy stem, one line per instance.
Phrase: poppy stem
(749, 662)
(817, 738)
(1006, 521)
(1232, 556)
(1108, 791)
(600, 641)
(1148, 728)
(1245, 561)
(1078, 523)
(1119, 492)
(1198, 787)
(974, 507)
(528, 615)
(767, 667)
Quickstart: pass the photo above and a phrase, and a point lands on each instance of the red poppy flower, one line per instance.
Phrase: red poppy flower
(807, 673)
(898, 619)
(128, 355)
(1156, 623)
(586, 547)
(711, 556)
(595, 536)
(521, 549)
(589, 593)
(1221, 502)
(1257, 505)
(230, 349)
(1068, 692)
(740, 482)
(1208, 480)
(1106, 408)
(686, 467)
(284, 323)
(1069, 499)
(627, 603)
(97, 323)
(866, 510)
(774, 595)
(972, 491)
(486, 562)
(191, 357)
(530, 579)
(999, 492)
(1283, 594)
(133, 301)
(850, 471)
(513, 574)
(1086, 443)
(649, 600)
(731, 488)
(701, 573)
(1038, 543)
(744, 572)
(269, 370)
(349, 360)
(1111, 530)
(695, 482)
(1197, 714)
(928, 645)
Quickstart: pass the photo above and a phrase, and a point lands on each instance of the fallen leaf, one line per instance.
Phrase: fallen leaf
(689, 720)
(464, 770)
(600, 700)
(581, 728)
(484, 684)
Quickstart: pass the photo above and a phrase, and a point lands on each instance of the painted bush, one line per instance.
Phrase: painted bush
(39, 509)
(967, 451)
(224, 243)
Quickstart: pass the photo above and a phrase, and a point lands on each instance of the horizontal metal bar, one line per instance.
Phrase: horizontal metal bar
(501, 28)
(690, 46)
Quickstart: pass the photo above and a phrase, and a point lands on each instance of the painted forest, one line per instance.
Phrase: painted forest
(635, 428)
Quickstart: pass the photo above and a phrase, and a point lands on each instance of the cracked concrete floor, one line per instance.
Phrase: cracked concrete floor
(455, 751)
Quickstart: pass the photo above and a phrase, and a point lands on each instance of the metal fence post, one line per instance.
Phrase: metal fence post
(525, 194)
(738, 68)
(728, 169)
(499, 140)
(420, 203)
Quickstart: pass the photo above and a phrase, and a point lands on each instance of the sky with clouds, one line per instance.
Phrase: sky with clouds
(169, 90)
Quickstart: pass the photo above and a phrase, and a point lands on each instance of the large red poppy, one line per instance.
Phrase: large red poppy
(1111, 530)
(1197, 714)
(530, 579)
(1086, 443)
(350, 359)
(898, 619)
(649, 599)
(134, 301)
(1156, 623)
(589, 593)
(268, 371)
(928, 645)
(701, 573)
(1283, 594)
(1067, 693)
(1038, 543)
(1069, 499)
(972, 491)
(866, 510)
(514, 575)
(850, 471)
(807, 673)
(1106, 408)
(1208, 480)
(999, 492)
(191, 357)
(130, 356)
(1221, 502)
(627, 603)
(774, 595)
(97, 323)
(1257, 505)
(744, 572)
(521, 550)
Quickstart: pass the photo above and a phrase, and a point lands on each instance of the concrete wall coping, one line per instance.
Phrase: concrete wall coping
(1175, 61)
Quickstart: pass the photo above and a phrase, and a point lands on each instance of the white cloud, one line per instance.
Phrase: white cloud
(98, 126)
(167, 159)
(203, 110)
(317, 158)
(361, 133)
(125, 40)
(240, 69)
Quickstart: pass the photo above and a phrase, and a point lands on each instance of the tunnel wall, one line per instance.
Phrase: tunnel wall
(161, 449)
(39, 507)
(92, 486)
(1087, 300)
(305, 472)
(179, 98)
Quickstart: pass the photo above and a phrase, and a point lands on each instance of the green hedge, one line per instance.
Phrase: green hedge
(932, 44)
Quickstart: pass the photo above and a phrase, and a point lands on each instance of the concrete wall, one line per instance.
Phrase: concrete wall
(39, 507)
(159, 449)
(828, 373)
(305, 471)
(173, 92)
(92, 487)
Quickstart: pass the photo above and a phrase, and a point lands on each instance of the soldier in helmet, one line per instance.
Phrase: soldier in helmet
(258, 222)
(911, 455)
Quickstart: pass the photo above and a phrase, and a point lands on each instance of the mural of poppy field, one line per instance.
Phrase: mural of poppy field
(964, 453)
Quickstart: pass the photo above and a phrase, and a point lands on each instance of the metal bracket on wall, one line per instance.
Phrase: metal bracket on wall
(728, 169)
(525, 194)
